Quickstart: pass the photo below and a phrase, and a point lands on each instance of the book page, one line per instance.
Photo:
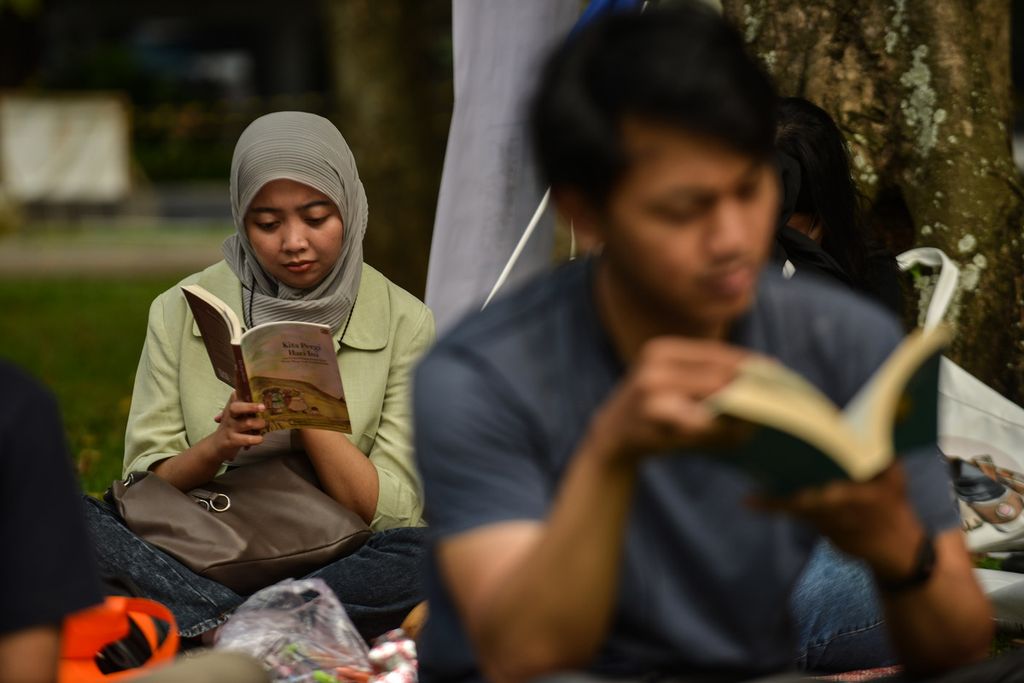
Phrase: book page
(775, 374)
(807, 417)
(796, 425)
(293, 371)
(897, 409)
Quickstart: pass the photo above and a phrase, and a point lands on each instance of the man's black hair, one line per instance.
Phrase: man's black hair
(685, 68)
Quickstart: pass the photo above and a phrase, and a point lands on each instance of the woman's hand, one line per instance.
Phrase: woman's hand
(238, 426)
(345, 473)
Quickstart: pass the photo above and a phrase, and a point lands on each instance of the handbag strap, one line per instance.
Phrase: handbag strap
(945, 287)
(213, 501)
(168, 649)
(87, 632)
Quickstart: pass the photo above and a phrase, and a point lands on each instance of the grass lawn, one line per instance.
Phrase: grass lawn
(82, 337)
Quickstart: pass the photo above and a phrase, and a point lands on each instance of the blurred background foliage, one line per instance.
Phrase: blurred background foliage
(77, 276)
(82, 337)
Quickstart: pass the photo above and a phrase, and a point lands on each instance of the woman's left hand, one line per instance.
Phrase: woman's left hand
(345, 472)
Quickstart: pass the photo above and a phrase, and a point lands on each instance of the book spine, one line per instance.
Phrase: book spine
(242, 388)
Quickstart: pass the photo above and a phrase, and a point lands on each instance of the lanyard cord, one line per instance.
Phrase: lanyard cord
(252, 293)
(347, 321)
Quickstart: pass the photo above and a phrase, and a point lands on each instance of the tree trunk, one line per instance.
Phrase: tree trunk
(391, 68)
(922, 91)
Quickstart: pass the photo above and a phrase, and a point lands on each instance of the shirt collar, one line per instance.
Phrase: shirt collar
(370, 324)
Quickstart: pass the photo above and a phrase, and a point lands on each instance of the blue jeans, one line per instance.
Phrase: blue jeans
(377, 585)
(838, 615)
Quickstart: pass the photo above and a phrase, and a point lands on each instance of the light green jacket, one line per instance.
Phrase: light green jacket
(177, 395)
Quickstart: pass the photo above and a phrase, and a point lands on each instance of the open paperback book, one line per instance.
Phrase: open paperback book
(790, 436)
(290, 367)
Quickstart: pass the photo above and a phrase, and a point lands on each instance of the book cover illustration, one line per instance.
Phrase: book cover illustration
(294, 373)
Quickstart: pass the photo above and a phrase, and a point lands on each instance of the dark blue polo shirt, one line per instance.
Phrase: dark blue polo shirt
(501, 404)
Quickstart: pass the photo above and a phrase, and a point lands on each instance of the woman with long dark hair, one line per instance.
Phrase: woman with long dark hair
(822, 227)
(836, 608)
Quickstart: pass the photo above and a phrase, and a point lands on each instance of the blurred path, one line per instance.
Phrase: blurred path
(109, 253)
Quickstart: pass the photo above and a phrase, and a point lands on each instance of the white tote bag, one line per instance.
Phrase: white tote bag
(974, 419)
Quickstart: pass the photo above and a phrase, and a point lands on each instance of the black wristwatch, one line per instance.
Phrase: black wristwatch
(924, 566)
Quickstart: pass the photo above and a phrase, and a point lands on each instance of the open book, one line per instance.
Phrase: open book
(791, 436)
(290, 367)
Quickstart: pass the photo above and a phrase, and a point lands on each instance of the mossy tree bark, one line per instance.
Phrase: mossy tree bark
(922, 91)
(391, 69)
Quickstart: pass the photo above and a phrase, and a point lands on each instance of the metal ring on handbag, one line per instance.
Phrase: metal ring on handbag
(225, 505)
(217, 502)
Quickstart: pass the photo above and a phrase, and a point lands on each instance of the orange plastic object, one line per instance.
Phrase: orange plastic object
(89, 631)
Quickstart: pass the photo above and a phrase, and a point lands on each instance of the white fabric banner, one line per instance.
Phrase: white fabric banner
(64, 149)
(489, 187)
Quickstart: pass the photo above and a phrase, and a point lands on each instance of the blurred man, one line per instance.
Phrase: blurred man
(577, 525)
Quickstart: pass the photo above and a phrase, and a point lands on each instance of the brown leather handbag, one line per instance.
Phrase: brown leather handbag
(248, 528)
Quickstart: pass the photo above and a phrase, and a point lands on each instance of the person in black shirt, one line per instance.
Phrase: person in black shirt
(48, 570)
(821, 228)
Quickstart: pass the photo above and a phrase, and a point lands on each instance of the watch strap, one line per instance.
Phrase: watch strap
(924, 567)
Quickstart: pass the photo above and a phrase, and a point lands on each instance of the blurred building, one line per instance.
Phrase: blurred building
(191, 75)
(185, 49)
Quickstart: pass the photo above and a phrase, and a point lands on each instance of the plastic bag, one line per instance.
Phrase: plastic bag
(300, 632)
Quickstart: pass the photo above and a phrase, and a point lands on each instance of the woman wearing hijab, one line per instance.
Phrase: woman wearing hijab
(300, 214)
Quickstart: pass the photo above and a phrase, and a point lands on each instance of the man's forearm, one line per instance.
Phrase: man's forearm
(945, 623)
(553, 610)
(940, 624)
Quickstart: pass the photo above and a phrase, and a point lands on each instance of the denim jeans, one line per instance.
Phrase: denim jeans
(377, 585)
(838, 615)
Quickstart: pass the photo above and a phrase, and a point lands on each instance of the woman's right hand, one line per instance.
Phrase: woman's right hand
(238, 426)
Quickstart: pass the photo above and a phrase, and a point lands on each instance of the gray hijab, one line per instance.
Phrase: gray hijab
(308, 149)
